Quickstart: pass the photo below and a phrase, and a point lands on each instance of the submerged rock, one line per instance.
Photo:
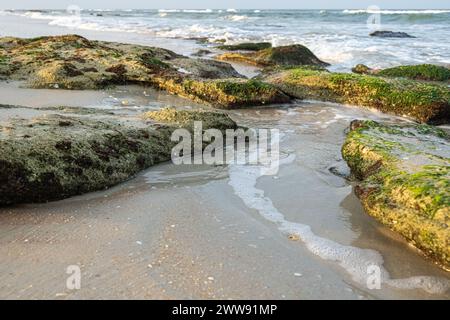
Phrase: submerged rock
(293, 55)
(424, 102)
(56, 156)
(390, 34)
(405, 181)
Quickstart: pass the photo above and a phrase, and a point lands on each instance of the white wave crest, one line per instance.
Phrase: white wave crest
(236, 18)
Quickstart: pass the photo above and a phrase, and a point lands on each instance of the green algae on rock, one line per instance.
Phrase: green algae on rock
(405, 173)
(428, 72)
(424, 102)
(184, 118)
(421, 72)
(56, 156)
(292, 55)
(226, 93)
(73, 62)
(362, 69)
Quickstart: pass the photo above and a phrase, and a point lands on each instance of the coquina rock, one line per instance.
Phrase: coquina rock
(73, 62)
(292, 55)
(422, 72)
(57, 156)
(423, 102)
(404, 181)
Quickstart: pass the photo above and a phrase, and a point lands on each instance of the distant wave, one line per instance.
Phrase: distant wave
(347, 11)
(185, 10)
(197, 11)
(169, 10)
(236, 18)
(336, 36)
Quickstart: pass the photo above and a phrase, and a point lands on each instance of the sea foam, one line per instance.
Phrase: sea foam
(355, 261)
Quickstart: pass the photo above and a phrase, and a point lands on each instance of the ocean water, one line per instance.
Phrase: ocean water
(340, 37)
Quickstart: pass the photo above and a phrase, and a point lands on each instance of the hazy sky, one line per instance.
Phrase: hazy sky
(214, 4)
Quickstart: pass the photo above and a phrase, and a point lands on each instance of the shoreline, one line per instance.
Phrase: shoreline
(162, 207)
(102, 220)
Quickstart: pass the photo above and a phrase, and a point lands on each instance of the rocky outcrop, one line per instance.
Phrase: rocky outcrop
(57, 156)
(404, 181)
(424, 102)
(293, 55)
(73, 62)
(390, 34)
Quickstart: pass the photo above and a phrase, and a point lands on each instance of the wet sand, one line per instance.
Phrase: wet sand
(180, 232)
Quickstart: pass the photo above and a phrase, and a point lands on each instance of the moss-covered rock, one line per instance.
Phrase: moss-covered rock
(73, 62)
(405, 173)
(292, 55)
(362, 69)
(54, 157)
(424, 102)
(246, 46)
(428, 72)
(183, 118)
(226, 93)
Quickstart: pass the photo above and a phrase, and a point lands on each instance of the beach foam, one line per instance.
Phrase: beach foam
(355, 261)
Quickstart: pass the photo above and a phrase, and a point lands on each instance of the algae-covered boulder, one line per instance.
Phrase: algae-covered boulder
(362, 69)
(73, 62)
(404, 173)
(184, 118)
(56, 156)
(246, 46)
(292, 55)
(226, 93)
(424, 102)
(428, 72)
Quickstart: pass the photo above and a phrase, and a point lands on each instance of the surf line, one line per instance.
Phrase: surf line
(355, 261)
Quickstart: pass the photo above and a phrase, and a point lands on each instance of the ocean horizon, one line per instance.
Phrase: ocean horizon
(339, 37)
